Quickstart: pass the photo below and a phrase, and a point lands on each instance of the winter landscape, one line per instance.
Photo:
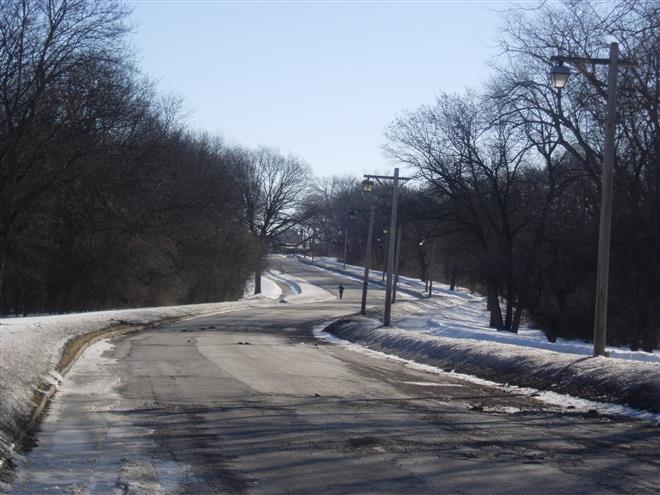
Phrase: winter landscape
(329, 247)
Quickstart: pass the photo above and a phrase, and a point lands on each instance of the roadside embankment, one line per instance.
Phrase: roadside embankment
(35, 353)
(635, 384)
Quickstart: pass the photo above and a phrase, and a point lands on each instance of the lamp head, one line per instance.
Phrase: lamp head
(367, 185)
(559, 75)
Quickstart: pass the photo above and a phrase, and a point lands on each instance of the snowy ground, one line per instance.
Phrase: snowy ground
(563, 400)
(462, 315)
(303, 291)
(31, 347)
(449, 332)
(269, 289)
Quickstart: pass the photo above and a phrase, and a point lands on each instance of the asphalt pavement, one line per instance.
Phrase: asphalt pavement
(250, 402)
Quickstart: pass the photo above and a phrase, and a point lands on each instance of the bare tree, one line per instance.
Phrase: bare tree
(272, 189)
(47, 49)
(576, 121)
(473, 160)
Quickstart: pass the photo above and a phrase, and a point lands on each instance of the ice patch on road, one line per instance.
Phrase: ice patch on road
(567, 402)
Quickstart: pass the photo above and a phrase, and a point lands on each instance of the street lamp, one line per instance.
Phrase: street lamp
(311, 243)
(391, 238)
(397, 257)
(429, 271)
(351, 217)
(431, 264)
(426, 269)
(559, 76)
(367, 187)
(385, 253)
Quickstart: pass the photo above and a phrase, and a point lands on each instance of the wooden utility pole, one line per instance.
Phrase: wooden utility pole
(367, 261)
(602, 280)
(390, 251)
(396, 263)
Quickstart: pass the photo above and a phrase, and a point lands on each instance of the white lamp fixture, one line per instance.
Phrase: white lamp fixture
(559, 75)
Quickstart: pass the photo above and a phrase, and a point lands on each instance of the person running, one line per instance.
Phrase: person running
(341, 291)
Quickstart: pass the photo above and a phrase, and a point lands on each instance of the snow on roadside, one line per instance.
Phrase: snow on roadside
(562, 400)
(633, 383)
(269, 289)
(304, 292)
(448, 318)
(461, 315)
(411, 284)
(31, 347)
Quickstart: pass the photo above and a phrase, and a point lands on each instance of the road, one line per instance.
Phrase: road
(249, 402)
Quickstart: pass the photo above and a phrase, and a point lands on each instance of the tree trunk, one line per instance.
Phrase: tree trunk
(651, 330)
(494, 307)
(257, 281)
(561, 303)
(4, 248)
(508, 322)
(517, 317)
(508, 319)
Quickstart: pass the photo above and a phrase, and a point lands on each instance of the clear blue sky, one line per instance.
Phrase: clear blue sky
(317, 79)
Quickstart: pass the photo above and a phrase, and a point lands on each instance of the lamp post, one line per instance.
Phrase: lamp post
(367, 186)
(351, 217)
(431, 263)
(559, 76)
(311, 243)
(428, 286)
(385, 253)
(426, 268)
(391, 238)
(397, 254)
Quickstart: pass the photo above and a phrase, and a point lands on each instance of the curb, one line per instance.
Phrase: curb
(63, 367)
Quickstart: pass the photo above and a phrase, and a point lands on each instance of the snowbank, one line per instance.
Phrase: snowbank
(303, 291)
(567, 402)
(31, 348)
(460, 314)
(450, 331)
(635, 384)
(269, 289)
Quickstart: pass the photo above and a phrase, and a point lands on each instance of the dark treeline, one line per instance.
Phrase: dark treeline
(106, 200)
(509, 175)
